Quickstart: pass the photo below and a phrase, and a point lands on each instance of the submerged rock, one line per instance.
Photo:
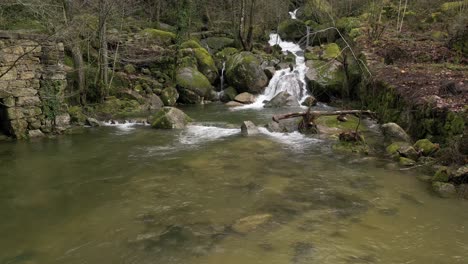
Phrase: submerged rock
(169, 118)
(282, 99)
(233, 104)
(442, 175)
(444, 190)
(250, 223)
(245, 98)
(243, 71)
(394, 133)
(92, 122)
(284, 126)
(248, 129)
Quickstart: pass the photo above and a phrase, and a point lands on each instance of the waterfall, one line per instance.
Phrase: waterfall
(293, 14)
(292, 82)
(222, 76)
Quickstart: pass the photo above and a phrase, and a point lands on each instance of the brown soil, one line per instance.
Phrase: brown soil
(420, 69)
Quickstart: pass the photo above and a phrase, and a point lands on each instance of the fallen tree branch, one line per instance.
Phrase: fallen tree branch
(317, 114)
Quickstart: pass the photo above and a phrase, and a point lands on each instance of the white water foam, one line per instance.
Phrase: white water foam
(293, 14)
(124, 126)
(196, 134)
(294, 140)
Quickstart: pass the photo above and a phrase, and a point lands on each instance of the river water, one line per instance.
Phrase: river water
(137, 195)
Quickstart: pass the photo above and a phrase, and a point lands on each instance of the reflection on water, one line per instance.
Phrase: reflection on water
(173, 197)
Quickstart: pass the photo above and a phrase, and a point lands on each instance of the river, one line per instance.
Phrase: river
(135, 195)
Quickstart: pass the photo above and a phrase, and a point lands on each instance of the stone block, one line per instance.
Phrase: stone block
(9, 101)
(32, 111)
(10, 74)
(35, 133)
(23, 92)
(14, 113)
(19, 128)
(28, 101)
(28, 75)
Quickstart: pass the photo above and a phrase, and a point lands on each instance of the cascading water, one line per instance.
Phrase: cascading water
(222, 76)
(286, 80)
(293, 14)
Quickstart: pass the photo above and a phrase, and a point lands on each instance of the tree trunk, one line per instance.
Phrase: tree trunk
(316, 114)
(76, 54)
(104, 60)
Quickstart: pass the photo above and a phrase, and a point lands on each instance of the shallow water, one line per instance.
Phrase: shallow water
(138, 195)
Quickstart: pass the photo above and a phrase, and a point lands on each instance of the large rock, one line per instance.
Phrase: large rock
(394, 133)
(283, 99)
(92, 122)
(250, 223)
(248, 129)
(292, 29)
(408, 152)
(156, 36)
(193, 86)
(325, 79)
(216, 44)
(243, 71)
(233, 104)
(206, 64)
(426, 147)
(245, 98)
(229, 94)
(284, 126)
(444, 190)
(169, 118)
(153, 102)
(169, 96)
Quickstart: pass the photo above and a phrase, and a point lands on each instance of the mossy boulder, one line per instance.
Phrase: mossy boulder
(394, 133)
(226, 53)
(331, 51)
(190, 44)
(442, 175)
(169, 118)
(426, 147)
(206, 64)
(229, 94)
(393, 148)
(243, 71)
(169, 96)
(192, 86)
(406, 162)
(444, 190)
(113, 107)
(325, 79)
(217, 44)
(76, 115)
(157, 36)
(292, 29)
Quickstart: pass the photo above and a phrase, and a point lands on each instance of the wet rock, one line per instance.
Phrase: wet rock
(463, 191)
(35, 133)
(233, 104)
(169, 96)
(93, 122)
(292, 29)
(426, 147)
(250, 223)
(406, 162)
(229, 94)
(444, 190)
(169, 118)
(76, 115)
(248, 129)
(310, 101)
(284, 126)
(442, 175)
(282, 99)
(461, 172)
(245, 98)
(408, 152)
(394, 133)
(270, 72)
(243, 71)
(62, 122)
(393, 148)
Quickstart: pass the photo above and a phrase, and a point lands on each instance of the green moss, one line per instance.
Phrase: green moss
(406, 162)
(204, 59)
(394, 147)
(346, 24)
(192, 80)
(159, 36)
(311, 56)
(452, 6)
(426, 146)
(193, 44)
(332, 51)
(169, 96)
(219, 43)
(351, 147)
(442, 175)
(230, 93)
(129, 68)
(76, 115)
(332, 121)
(292, 29)
(438, 35)
(160, 120)
(68, 61)
(454, 124)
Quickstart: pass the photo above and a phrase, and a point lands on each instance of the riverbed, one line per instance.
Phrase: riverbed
(135, 195)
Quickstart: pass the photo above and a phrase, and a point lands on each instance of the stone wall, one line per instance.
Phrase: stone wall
(32, 83)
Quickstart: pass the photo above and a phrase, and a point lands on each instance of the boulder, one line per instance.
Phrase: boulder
(442, 175)
(393, 148)
(408, 152)
(229, 94)
(156, 36)
(325, 78)
(284, 126)
(292, 29)
(35, 133)
(62, 122)
(282, 99)
(245, 98)
(461, 172)
(310, 101)
(217, 44)
(169, 118)
(93, 122)
(192, 86)
(250, 223)
(394, 133)
(406, 162)
(153, 102)
(169, 96)
(233, 104)
(270, 72)
(463, 190)
(206, 64)
(248, 129)
(426, 147)
(444, 190)
(243, 71)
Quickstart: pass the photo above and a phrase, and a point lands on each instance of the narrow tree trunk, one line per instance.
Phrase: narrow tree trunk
(104, 60)
(403, 16)
(242, 23)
